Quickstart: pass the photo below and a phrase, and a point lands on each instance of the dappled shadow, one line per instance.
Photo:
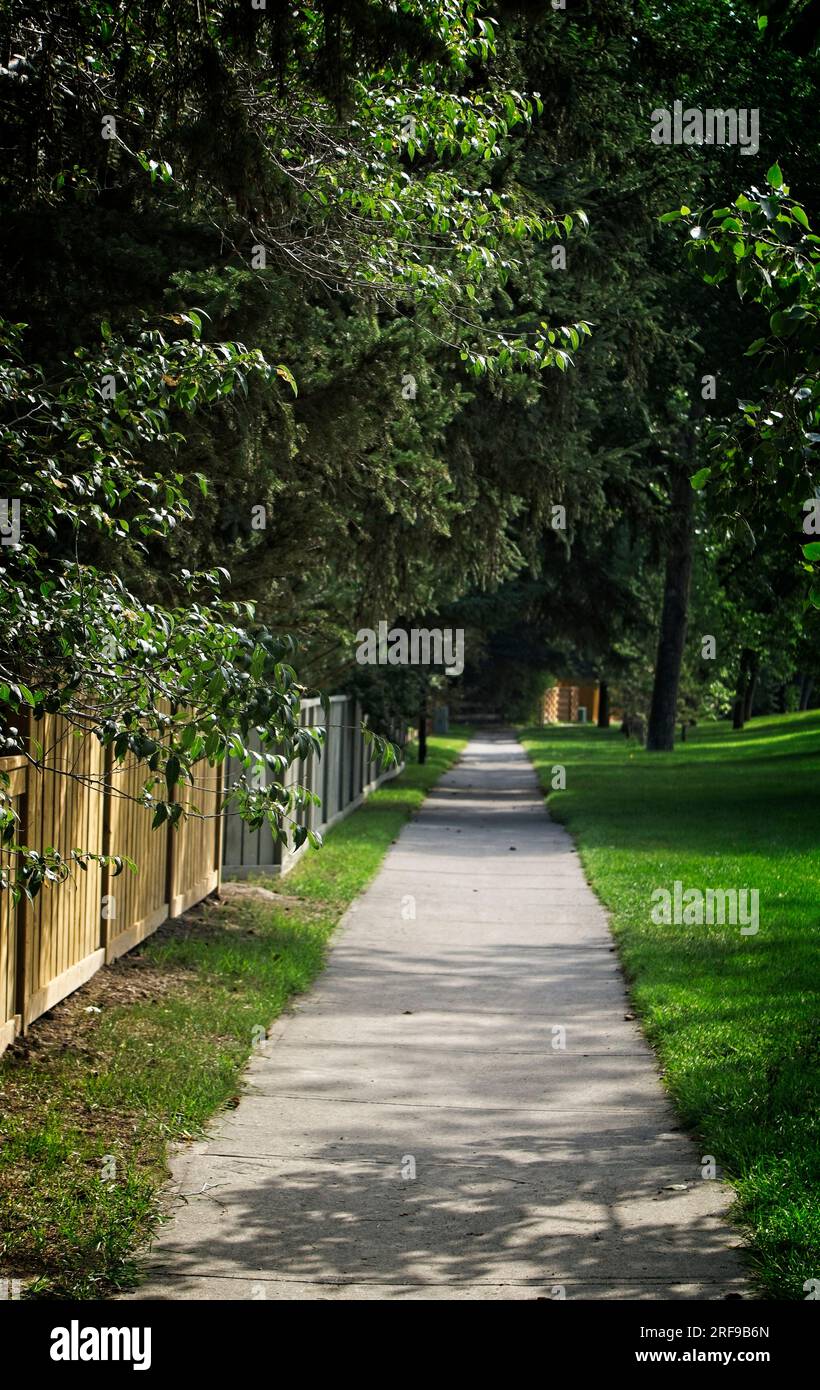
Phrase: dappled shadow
(594, 1213)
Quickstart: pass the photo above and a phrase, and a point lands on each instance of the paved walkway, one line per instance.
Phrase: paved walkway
(413, 1128)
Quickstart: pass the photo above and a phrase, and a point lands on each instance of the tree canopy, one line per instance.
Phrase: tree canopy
(316, 316)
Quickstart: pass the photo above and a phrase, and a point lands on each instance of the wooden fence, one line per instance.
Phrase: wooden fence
(564, 699)
(52, 946)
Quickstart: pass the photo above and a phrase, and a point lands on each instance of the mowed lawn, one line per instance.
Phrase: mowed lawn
(735, 1019)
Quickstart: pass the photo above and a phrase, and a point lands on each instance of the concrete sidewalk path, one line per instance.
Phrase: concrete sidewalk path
(459, 1109)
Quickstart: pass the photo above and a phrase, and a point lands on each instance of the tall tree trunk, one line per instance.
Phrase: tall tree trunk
(806, 689)
(751, 686)
(672, 636)
(739, 706)
(603, 705)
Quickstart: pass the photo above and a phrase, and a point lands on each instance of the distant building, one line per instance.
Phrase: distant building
(563, 701)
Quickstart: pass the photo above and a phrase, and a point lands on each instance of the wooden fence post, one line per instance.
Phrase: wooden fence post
(106, 932)
(23, 915)
(22, 928)
(219, 825)
(171, 862)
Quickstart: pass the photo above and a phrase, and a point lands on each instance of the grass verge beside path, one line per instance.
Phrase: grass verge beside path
(734, 1019)
(146, 1053)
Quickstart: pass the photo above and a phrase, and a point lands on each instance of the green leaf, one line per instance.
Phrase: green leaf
(700, 479)
(287, 376)
(775, 177)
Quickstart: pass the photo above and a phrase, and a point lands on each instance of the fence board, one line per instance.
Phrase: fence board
(62, 927)
(137, 902)
(195, 870)
(50, 947)
(9, 1020)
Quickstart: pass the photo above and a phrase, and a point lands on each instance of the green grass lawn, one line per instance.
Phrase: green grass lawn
(154, 1045)
(734, 1019)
